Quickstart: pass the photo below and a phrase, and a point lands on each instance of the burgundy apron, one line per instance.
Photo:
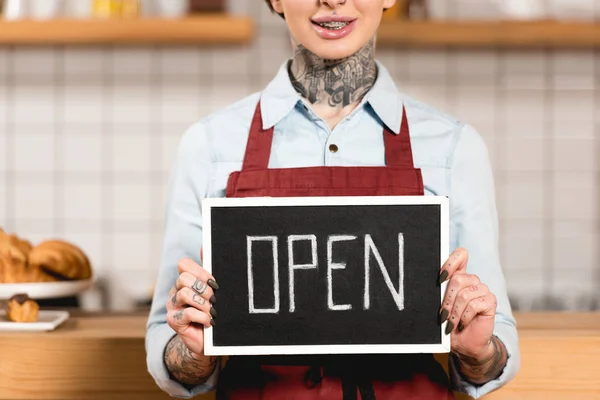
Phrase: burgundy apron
(330, 377)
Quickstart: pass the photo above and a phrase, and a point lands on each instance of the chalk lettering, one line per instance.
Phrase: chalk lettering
(292, 265)
(398, 296)
(370, 251)
(330, 267)
(252, 309)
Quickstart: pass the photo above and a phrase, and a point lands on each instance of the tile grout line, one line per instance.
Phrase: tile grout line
(156, 157)
(106, 162)
(10, 142)
(596, 106)
(5, 125)
(59, 120)
(500, 146)
(550, 301)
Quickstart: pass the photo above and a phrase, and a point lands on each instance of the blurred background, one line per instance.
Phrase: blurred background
(88, 130)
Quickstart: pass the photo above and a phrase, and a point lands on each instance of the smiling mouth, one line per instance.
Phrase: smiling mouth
(333, 25)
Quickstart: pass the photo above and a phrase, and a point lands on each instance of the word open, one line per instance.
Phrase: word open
(370, 252)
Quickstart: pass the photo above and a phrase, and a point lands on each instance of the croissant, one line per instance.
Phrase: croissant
(61, 260)
(13, 258)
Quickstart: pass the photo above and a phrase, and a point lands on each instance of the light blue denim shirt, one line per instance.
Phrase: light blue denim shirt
(452, 156)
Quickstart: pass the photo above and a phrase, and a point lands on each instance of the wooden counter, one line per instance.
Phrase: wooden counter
(103, 357)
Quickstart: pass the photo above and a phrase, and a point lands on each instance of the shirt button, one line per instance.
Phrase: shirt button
(333, 148)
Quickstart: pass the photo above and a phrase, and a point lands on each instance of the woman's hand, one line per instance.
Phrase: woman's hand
(190, 307)
(470, 309)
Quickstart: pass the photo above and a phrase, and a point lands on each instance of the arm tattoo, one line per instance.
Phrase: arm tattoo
(186, 367)
(334, 82)
(199, 286)
(480, 372)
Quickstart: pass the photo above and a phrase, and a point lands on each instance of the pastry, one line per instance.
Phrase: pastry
(34, 274)
(61, 260)
(21, 308)
(4, 266)
(12, 240)
(14, 261)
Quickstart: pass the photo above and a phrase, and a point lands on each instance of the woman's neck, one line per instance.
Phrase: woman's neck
(333, 87)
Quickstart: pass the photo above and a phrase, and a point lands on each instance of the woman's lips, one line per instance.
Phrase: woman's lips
(334, 33)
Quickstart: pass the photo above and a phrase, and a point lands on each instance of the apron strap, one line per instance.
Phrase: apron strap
(258, 149)
(398, 151)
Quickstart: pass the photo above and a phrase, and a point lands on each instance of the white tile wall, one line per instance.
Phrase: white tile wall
(84, 63)
(33, 201)
(37, 141)
(523, 196)
(83, 102)
(88, 136)
(574, 196)
(31, 102)
(81, 147)
(83, 201)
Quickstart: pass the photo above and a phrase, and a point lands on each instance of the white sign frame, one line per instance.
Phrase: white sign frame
(209, 203)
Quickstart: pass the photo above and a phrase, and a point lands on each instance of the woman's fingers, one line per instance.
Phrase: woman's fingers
(188, 265)
(463, 299)
(202, 288)
(456, 263)
(180, 319)
(457, 283)
(187, 297)
(483, 305)
(192, 297)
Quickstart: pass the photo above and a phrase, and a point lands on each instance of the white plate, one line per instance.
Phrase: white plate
(47, 321)
(45, 290)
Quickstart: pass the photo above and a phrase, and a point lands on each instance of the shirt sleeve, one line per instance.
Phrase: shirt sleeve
(474, 226)
(188, 185)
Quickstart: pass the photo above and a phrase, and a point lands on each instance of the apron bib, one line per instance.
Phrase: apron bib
(330, 377)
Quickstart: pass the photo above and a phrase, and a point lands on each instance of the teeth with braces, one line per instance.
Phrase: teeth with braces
(333, 25)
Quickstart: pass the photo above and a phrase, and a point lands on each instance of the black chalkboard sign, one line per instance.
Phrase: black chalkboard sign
(326, 275)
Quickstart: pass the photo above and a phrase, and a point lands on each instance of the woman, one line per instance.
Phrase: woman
(333, 104)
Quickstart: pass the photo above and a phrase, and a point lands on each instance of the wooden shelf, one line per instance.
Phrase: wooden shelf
(205, 29)
(490, 34)
(223, 29)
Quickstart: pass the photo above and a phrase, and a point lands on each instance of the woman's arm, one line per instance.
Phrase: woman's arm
(167, 360)
(187, 367)
(482, 370)
(474, 226)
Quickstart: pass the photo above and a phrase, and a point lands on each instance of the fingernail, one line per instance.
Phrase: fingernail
(213, 284)
(449, 327)
(444, 316)
(213, 312)
(213, 322)
(443, 276)
(460, 326)
(212, 299)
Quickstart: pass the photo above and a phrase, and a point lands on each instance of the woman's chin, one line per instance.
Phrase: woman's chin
(330, 50)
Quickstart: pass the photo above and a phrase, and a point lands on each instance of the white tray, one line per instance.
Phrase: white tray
(45, 290)
(47, 321)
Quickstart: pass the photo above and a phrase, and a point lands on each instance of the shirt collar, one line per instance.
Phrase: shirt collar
(279, 98)
(385, 100)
